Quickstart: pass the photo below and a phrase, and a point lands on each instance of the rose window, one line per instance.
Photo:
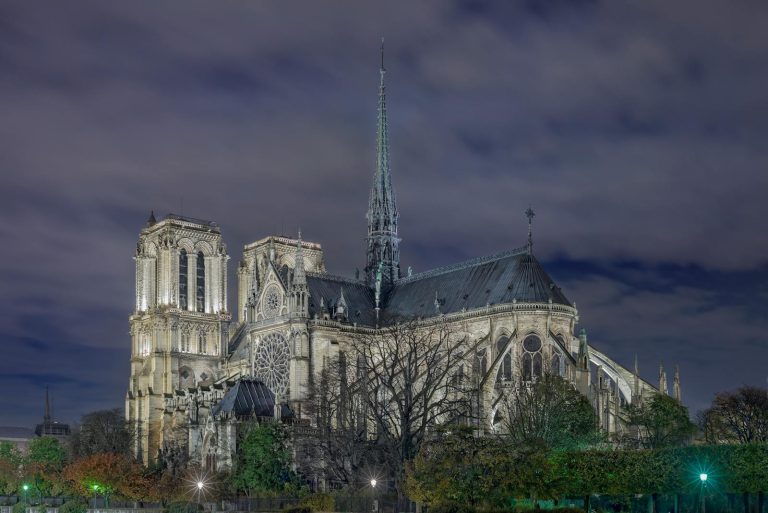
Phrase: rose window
(271, 360)
(272, 302)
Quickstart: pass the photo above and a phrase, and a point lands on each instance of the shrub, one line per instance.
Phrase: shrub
(297, 509)
(318, 502)
(20, 507)
(73, 506)
(184, 507)
(42, 508)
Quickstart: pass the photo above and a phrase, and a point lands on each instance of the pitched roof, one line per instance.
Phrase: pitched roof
(485, 281)
(249, 397)
(357, 295)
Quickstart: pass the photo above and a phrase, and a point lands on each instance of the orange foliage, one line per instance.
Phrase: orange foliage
(107, 474)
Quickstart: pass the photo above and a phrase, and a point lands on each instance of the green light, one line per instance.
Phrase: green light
(25, 487)
(95, 487)
(703, 477)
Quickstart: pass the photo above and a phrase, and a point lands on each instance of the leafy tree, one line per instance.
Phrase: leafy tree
(105, 475)
(658, 422)
(42, 465)
(263, 459)
(103, 431)
(737, 417)
(551, 411)
(10, 461)
(452, 467)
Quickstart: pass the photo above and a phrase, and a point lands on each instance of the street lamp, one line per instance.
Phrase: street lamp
(703, 480)
(200, 485)
(373, 483)
(25, 487)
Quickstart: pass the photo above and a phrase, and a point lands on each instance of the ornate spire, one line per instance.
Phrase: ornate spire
(676, 385)
(530, 214)
(299, 292)
(662, 379)
(299, 274)
(382, 209)
(583, 350)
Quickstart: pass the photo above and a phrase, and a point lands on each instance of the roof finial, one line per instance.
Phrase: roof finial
(530, 214)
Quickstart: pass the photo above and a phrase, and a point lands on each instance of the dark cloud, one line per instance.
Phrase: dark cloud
(636, 130)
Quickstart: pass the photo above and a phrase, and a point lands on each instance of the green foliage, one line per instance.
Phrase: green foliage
(505, 473)
(47, 451)
(19, 507)
(263, 460)
(662, 422)
(73, 506)
(297, 509)
(319, 502)
(550, 411)
(42, 508)
(10, 461)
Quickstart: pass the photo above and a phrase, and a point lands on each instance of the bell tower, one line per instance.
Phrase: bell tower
(180, 325)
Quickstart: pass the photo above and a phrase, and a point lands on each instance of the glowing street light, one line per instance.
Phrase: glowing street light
(373, 483)
(200, 485)
(703, 477)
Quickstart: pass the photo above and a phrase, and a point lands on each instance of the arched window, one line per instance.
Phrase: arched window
(200, 282)
(532, 359)
(202, 343)
(184, 342)
(183, 279)
(555, 366)
(505, 370)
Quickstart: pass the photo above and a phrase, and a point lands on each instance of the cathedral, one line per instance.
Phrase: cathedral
(196, 371)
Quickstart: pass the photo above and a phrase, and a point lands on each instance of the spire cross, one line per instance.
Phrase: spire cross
(530, 214)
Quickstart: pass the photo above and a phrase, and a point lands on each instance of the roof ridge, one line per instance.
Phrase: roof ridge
(335, 277)
(462, 265)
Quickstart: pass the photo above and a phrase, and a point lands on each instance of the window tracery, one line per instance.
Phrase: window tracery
(200, 293)
(271, 362)
(183, 269)
(532, 361)
(505, 370)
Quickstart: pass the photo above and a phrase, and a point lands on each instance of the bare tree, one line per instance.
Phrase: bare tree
(410, 378)
(103, 431)
(737, 417)
(338, 449)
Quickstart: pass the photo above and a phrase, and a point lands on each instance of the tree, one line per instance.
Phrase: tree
(658, 422)
(551, 411)
(10, 463)
(737, 417)
(263, 459)
(105, 475)
(411, 378)
(103, 431)
(339, 447)
(42, 466)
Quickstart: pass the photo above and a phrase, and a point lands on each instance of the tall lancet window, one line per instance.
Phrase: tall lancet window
(183, 279)
(532, 360)
(200, 282)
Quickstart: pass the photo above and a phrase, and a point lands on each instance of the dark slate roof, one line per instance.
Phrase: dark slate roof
(249, 397)
(21, 433)
(490, 280)
(359, 298)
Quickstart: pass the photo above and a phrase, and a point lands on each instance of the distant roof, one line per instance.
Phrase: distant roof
(490, 280)
(52, 428)
(249, 397)
(19, 433)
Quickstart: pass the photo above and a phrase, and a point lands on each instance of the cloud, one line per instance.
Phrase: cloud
(635, 131)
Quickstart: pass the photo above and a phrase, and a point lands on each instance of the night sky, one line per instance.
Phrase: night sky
(636, 130)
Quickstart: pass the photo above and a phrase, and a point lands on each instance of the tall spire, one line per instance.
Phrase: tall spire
(382, 242)
(47, 415)
(662, 379)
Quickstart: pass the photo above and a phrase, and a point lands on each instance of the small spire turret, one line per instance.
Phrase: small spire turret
(676, 385)
(662, 379)
(530, 214)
